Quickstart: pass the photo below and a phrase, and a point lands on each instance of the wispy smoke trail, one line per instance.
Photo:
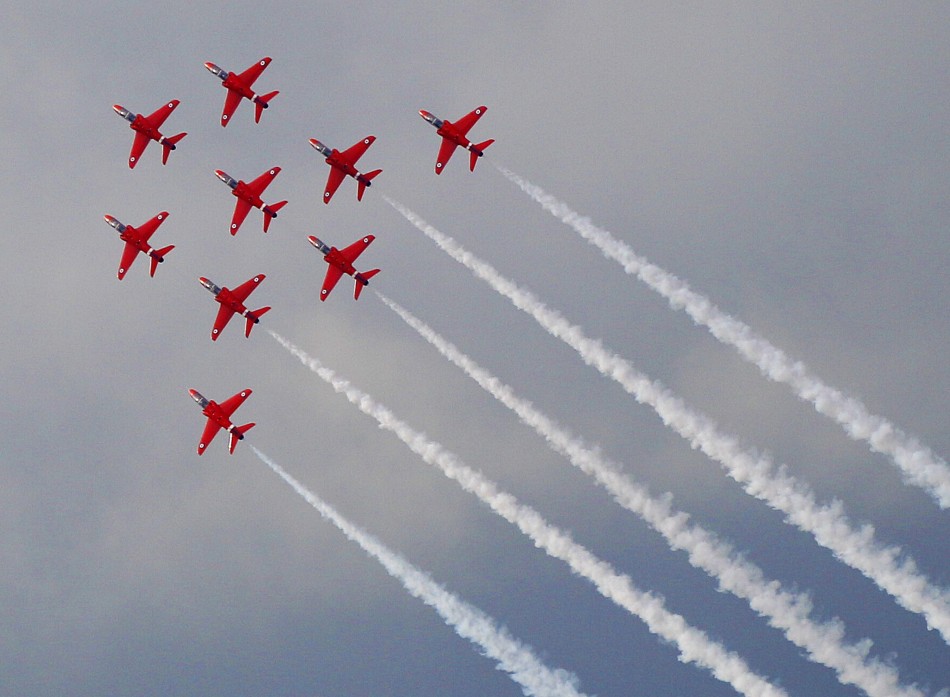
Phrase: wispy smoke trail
(694, 645)
(919, 464)
(784, 610)
(889, 568)
(469, 622)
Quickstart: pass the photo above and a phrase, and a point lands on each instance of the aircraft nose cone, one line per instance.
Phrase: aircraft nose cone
(210, 66)
(108, 219)
(425, 114)
(204, 281)
(117, 108)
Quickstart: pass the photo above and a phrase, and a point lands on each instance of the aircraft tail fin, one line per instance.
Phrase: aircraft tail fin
(251, 321)
(271, 212)
(168, 144)
(363, 280)
(477, 151)
(364, 182)
(238, 434)
(261, 103)
(158, 256)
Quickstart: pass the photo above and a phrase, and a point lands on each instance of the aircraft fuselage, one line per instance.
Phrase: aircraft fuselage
(131, 235)
(234, 83)
(333, 256)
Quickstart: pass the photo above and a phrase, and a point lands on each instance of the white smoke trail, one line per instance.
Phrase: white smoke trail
(784, 610)
(921, 466)
(469, 622)
(887, 566)
(694, 646)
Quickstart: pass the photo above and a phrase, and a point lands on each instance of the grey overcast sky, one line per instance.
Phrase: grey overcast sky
(790, 161)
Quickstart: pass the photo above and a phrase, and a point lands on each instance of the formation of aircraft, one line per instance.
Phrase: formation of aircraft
(340, 261)
(342, 164)
(219, 416)
(238, 86)
(454, 135)
(249, 195)
(232, 301)
(146, 130)
(136, 241)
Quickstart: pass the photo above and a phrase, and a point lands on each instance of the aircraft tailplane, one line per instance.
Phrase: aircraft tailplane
(168, 144)
(239, 435)
(261, 103)
(364, 181)
(158, 256)
(256, 316)
(363, 280)
(477, 151)
(271, 212)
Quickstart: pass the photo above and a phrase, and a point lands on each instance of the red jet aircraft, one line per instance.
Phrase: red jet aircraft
(453, 135)
(233, 301)
(341, 262)
(136, 240)
(342, 164)
(146, 130)
(219, 416)
(249, 194)
(239, 87)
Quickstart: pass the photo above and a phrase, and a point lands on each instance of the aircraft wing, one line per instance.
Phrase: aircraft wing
(128, 256)
(138, 147)
(445, 154)
(229, 405)
(333, 275)
(246, 288)
(258, 185)
(231, 101)
(353, 153)
(464, 124)
(146, 230)
(333, 183)
(211, 430)
(221, 321)
(157, 118)
(241, 209)
(354, 250)
(251, 74)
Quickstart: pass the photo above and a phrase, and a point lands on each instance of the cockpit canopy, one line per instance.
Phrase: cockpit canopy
(209, 285)
(115, 223)
(220, 72)
(320, 147)
(124, 113)
(223, 176)
(434, 120)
